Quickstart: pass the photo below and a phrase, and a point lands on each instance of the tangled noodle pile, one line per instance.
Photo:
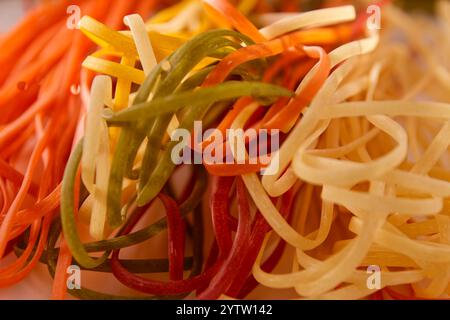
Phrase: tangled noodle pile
(360, 180)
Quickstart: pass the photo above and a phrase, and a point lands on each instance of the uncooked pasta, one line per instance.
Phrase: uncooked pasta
(214, 149)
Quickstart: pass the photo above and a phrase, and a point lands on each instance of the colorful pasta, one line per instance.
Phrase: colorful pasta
(312, 147)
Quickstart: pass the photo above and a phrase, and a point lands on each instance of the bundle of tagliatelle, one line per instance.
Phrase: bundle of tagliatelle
(335, 185)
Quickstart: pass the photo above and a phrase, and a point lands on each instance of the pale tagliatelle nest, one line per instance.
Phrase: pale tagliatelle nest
(374, 145)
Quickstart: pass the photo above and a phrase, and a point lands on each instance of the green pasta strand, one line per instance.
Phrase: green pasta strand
(68, 216)
(148, 232)
(205, 96)
(161, 82)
